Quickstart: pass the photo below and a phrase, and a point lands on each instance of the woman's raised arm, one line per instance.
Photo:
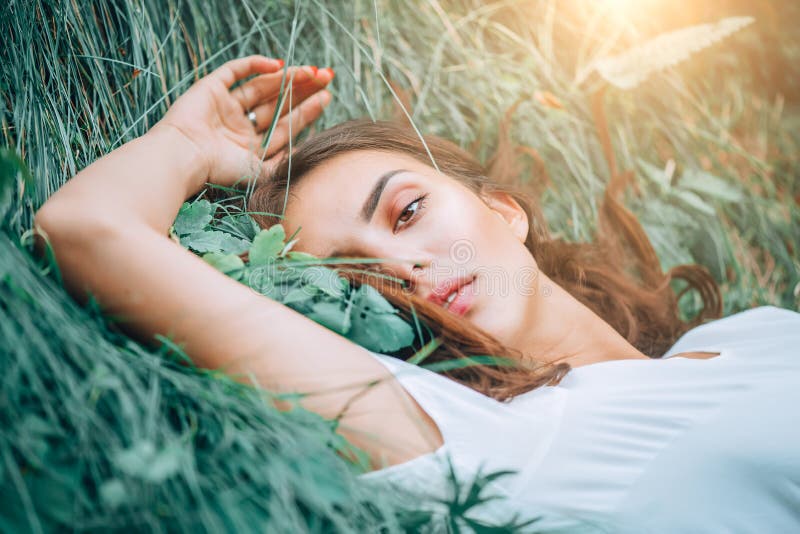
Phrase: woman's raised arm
(108, 228)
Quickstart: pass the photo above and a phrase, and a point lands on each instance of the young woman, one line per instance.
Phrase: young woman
(607, 423)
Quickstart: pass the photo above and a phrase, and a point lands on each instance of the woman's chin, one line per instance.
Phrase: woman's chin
(497, 317)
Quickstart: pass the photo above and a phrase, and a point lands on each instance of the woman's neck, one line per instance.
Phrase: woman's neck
(562, 329)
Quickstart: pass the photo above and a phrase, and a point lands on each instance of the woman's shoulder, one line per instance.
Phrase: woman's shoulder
(472, 423)
(762, 328)
(487, 443)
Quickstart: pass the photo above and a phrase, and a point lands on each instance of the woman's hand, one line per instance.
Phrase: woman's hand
(214, 119)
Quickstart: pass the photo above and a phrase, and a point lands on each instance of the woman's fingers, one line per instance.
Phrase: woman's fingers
(296, 94)
(266, 88)
(265, 113)
(300, 117)
(300, 92)
(238, 69)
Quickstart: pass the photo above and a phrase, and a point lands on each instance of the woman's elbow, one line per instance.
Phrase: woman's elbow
(62, 225)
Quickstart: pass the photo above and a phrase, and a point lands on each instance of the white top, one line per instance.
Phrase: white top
(631, 446)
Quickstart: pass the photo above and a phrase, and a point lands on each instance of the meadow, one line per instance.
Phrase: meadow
(103, 433)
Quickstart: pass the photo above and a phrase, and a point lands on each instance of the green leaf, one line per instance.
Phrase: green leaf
(326, 280)
(240, 224)
(331, 315)
(375, 323)
(710, 185)
(368, 299)
(194, 217)
(264, 279)
(654, 174)
(230, 264)
(708, 251)
(381, 332)
(693, 200)
(214, 241)
(267, 245)
(299, 294)
(672, 216)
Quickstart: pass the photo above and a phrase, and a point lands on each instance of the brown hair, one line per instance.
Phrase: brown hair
(618, 276)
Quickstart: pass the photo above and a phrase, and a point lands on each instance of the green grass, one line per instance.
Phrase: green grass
(713, 144)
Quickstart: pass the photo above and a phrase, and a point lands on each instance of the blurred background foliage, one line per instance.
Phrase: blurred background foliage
(101, 433)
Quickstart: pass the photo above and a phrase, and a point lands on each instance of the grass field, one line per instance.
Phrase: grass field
(101, 433)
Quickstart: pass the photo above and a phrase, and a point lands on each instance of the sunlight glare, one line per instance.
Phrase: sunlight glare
(622, 7)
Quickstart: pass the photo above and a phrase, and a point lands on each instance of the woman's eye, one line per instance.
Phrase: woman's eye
(411, 211)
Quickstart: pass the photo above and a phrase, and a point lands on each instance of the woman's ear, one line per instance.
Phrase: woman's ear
(508, 209)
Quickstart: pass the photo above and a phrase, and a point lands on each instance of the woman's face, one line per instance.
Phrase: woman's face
(461, 251)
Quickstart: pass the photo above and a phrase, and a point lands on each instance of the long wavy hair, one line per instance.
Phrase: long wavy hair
(617, 275)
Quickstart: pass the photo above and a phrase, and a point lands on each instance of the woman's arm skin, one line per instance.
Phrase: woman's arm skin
(108, 228)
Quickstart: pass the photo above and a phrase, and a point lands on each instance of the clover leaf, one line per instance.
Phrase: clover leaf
(230, 264)
(375, 323)
(367, 299)
(194, 217)
(239, 224)
(298, 295)
(267, 245)
(214, 241)
(331, 315)
(381, 332)
(326, 280)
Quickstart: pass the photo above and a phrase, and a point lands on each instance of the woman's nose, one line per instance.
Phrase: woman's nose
(409, 268)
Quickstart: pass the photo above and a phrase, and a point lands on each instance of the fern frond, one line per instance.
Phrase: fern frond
(629, 69)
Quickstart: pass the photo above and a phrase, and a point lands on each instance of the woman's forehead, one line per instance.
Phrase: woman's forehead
(347, 180)
(363, 167)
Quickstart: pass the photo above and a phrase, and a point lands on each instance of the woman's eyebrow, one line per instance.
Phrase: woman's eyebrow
(371, 204)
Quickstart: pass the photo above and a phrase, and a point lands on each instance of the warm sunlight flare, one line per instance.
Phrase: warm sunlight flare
(621, 7)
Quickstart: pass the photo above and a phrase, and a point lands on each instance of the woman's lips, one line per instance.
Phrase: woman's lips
(462, 302)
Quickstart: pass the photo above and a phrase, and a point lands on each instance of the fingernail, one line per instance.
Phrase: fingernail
(324, 98)
(314, 68)
(331, 71)
(280, 63)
